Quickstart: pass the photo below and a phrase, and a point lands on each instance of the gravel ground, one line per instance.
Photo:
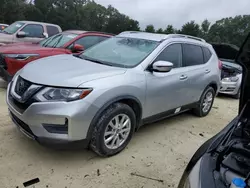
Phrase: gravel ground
(160, 150)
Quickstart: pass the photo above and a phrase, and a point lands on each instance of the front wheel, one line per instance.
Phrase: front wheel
(205, 103)
(113, 130)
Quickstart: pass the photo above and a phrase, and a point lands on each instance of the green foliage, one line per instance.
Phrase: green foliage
(230, 30)
(88, 15)
(169, 30)
(150, 29)
(191, 28)
(160, 30)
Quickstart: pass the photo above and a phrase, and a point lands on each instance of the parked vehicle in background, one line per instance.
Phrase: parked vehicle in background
(15, 56)
(3, 26)
(223, 160)
(103, 95)
(231, 74)
(28, 31)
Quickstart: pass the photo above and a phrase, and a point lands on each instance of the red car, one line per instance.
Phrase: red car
(15, 56)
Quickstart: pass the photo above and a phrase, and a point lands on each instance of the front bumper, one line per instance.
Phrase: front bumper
(230, 88)
(77, 116)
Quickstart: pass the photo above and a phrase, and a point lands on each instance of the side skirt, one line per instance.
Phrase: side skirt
(168, 114)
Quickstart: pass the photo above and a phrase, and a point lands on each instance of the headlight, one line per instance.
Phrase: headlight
(21, 57)
(230, 79)
(62, 94)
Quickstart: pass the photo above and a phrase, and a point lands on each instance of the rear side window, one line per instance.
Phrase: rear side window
(192, 55)
(34, 30)
(89, 41)
(52, 30)
(172, 54)
(207, 54)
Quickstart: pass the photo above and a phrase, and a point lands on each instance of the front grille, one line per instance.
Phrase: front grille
(3, 62)
(20, 107)
(21, 86)
(21, 124)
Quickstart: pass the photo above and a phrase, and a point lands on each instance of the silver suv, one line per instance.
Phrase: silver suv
(99, 98)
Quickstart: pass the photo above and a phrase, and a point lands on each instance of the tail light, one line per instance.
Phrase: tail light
(220, 64)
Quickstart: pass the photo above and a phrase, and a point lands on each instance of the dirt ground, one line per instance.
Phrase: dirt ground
(160, 150)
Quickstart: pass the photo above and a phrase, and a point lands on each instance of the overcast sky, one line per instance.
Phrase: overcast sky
(160, 13)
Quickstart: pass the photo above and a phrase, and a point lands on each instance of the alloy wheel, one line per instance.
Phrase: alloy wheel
(117, 131)
(207, 102)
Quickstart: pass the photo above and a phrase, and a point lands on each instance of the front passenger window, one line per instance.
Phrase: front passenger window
(34, 30)
(173, 54)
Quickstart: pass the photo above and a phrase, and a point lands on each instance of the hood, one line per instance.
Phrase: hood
(225, 51)
(66, 71)
(243, 58)
(5, 38)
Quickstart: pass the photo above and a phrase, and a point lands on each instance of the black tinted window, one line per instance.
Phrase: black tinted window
(192, 55)
(172, 54)
(207, 54)
(52, 30)
(88, 41)
(33, 30)
(102, 38)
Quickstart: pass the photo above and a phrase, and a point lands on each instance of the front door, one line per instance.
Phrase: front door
(34, 33)
(166, 91)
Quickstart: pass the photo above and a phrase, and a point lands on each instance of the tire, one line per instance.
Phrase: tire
(103, 126)
(237, 96)
(199, 110)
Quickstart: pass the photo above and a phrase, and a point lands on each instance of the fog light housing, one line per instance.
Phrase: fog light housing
(57, 128)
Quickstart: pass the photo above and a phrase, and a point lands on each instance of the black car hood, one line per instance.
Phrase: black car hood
(226, 51)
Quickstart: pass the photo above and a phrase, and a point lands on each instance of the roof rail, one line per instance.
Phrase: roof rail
(185, 36)
(124, 32)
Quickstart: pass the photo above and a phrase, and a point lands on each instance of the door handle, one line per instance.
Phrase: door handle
(183, 77)
(207, 71)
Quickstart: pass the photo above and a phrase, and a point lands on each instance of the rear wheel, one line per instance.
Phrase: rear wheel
(114, 130)
(205, 103)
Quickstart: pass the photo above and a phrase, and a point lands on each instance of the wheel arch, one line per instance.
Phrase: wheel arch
(214, 85)
(131, 101)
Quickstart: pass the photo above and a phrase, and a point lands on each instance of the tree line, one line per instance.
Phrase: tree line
(90, 16)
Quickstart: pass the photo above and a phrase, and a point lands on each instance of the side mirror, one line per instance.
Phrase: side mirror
(45, 35)
(21, 34)
(162, 66)
(77, 48)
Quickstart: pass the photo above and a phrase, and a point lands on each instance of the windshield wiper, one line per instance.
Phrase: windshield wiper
(58, 41)
(95, 60)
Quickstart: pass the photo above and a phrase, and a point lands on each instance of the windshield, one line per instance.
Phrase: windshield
(58, 40)
(13, 28)
(120, 51)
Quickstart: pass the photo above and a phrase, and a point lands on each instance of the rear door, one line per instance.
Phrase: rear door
(198, 71)
(52, 30)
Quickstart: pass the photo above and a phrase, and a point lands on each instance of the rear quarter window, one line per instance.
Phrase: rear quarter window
(207, 54)
(52, 30)
(192, 55)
